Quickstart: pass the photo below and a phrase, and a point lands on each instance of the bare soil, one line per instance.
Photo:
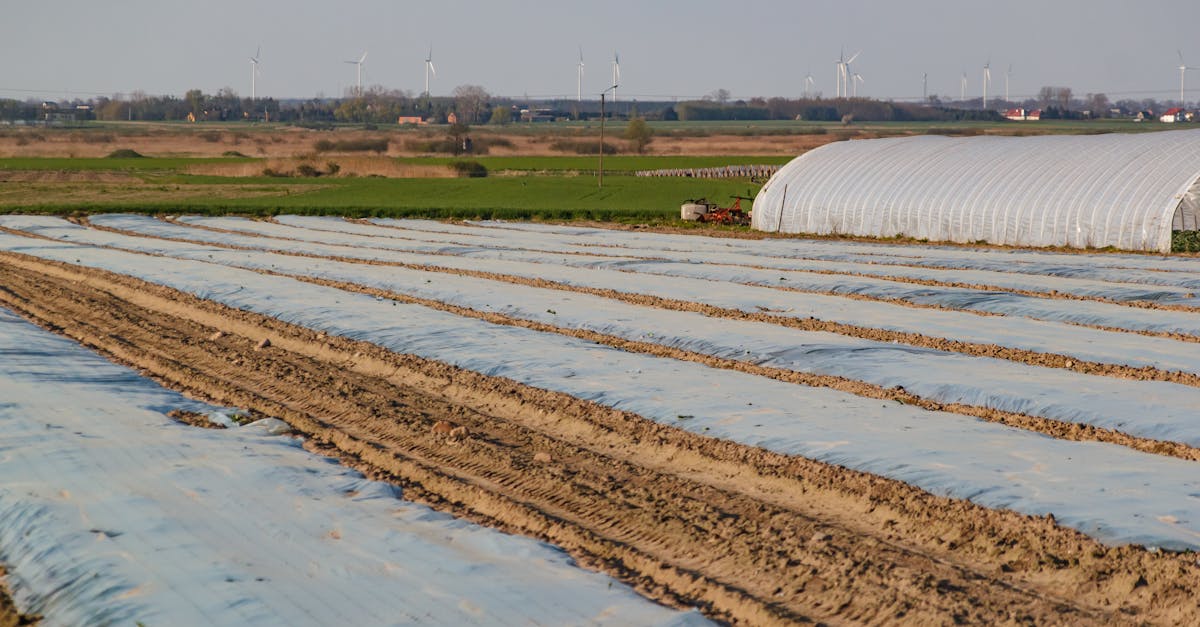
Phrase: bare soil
(747, 535)
(10, 616)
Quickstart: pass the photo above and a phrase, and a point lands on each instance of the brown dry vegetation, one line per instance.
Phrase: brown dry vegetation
(346, 166)
(288, 143)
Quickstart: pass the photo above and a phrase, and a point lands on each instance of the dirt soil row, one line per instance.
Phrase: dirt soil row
(746, 535)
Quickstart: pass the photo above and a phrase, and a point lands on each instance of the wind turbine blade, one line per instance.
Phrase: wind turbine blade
(258, 53)
(1180, 53)
(432, 69)
(852, 58)
(363, 57)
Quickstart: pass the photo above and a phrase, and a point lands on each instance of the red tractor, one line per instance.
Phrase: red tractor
(701, 210)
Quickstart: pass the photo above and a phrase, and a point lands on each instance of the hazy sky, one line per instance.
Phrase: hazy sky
(668, 48)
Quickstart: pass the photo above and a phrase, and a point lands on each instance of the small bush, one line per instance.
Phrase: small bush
(125, 153)
(307, 170)
(233, 153)
(274, 173)
(469, 169)
(211, 136)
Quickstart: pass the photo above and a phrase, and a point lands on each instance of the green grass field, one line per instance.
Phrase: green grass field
(507, 197)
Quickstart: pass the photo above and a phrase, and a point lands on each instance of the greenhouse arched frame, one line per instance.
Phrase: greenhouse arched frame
(1120, 190)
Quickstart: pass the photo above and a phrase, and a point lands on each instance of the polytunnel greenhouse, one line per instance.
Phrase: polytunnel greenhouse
(1128, 191)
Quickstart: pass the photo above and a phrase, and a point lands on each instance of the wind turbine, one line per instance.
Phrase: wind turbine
(808, 83)
(962, 87)
(1183, 68)
(1007, 75)
(254, 74)
(857, 78)
(844, 73)
(616, 76)
(838, 70)
(925, 86)
(429, 68)
(358, 70)
(987, 76)
(579, 78)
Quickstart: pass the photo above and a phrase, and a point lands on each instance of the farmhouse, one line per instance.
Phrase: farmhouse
(1128, 191)
(1021, 115)
(1174, 114)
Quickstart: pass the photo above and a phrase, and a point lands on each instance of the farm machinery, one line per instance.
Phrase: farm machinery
(701, 210)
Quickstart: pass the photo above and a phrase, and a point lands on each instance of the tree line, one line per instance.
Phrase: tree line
(472, 104)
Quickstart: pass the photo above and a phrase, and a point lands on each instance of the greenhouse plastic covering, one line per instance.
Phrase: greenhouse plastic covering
(1119, 190)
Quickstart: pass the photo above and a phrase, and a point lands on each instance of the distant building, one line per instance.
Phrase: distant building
(1021, 115)
(538, 115)
(1174, 114)
(411, 119)
(452, 118)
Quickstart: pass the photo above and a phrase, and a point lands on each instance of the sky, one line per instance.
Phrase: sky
(668, 49)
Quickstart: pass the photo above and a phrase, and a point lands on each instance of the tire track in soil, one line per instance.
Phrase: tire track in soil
(747, 535)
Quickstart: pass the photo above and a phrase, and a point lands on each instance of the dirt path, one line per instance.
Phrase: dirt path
(746, 535)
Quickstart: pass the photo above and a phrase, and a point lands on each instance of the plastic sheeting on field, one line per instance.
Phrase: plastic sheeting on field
(1110, 492)
(1087, 344)
(112, 513)
(1150, 409)
(1119, 190)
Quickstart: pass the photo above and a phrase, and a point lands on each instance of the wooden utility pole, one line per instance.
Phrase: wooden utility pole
(603, 94)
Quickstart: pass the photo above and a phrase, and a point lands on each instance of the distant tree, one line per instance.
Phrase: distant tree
(195, 100)
(470, 101)
(1098, 104)
(721, 96)
(458, 135)
(1055, 96)
(639, 134)
(501, 115)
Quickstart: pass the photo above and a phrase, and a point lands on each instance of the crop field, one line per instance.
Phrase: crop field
(754, 431)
